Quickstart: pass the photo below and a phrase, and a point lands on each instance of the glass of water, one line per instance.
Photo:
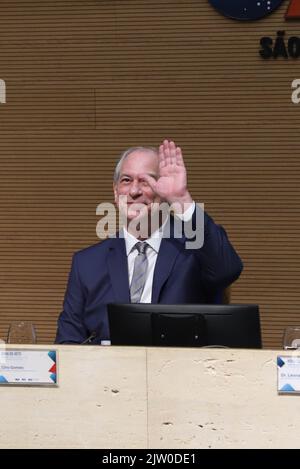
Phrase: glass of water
(291, 338)
(21, 332)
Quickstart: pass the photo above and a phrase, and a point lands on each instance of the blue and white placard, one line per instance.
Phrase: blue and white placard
(28, 367)
(288, 369)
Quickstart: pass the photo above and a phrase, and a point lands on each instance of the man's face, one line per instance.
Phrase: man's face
(132, 185)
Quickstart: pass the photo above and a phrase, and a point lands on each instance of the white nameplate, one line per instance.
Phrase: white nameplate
(28, 367)
(288, 369)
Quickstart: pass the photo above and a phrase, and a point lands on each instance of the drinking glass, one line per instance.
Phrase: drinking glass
(291, 338)
(21, 332)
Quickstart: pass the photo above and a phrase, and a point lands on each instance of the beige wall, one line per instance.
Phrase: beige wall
(86, 79)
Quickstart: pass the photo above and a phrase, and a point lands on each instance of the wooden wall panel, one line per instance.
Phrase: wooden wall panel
(86, 79)
(51, 106)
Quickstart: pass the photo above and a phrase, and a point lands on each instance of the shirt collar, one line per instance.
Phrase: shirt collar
(154, 240)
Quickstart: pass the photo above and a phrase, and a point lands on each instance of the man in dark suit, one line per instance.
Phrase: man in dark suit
(142, 264)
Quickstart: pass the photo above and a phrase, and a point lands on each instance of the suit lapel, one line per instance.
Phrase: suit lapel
(118, 270)
(168, 252)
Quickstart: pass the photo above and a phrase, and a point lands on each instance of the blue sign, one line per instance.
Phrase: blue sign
(246, 9)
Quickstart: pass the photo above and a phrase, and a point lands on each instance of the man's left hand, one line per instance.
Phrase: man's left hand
(171, 184)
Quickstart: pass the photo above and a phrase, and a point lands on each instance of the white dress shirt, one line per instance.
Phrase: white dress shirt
(152, 252)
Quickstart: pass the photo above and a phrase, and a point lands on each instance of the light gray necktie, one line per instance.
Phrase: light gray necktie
(139, 273)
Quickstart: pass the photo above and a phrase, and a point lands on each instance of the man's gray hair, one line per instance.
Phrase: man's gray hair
(127, 153)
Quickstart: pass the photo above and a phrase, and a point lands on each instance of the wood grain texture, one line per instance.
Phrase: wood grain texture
(88, 78)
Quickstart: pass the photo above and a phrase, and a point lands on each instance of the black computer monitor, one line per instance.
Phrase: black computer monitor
(189, 325)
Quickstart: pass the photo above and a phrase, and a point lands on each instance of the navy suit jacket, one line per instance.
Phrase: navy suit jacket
(99, 276)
